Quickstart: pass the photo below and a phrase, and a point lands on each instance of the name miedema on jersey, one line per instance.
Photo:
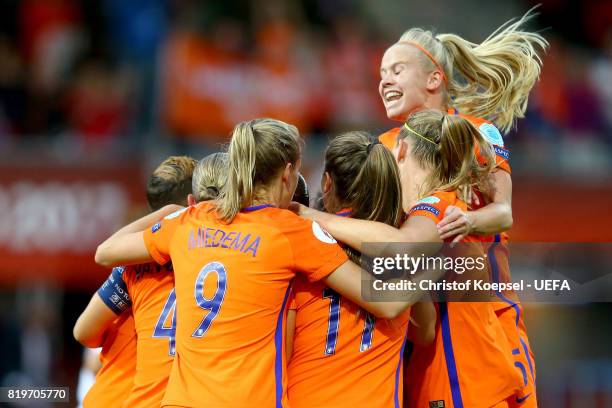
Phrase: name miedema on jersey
(217, 238)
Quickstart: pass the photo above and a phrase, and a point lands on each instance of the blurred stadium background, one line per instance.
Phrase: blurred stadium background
(94, 94)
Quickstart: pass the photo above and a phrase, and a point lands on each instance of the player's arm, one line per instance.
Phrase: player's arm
(106, 304)
(423, 319)
(493, 218)
(90, 327)
(408, 239)
(289, 333)
(346, 280)
(127, 246)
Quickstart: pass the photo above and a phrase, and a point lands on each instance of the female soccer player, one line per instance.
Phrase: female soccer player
(333, 341)
(233, 261)
(438, 167)
(137, 351)
(493, 80)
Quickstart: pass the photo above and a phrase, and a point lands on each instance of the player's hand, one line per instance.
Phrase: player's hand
(299, 209)
(456, 223)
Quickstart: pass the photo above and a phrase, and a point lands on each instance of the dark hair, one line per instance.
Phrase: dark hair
(365, 178)
(170, 183)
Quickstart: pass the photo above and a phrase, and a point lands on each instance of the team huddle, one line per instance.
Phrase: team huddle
(234, 292)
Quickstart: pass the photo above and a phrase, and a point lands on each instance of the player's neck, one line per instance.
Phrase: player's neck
(411, 186)
(436, 101)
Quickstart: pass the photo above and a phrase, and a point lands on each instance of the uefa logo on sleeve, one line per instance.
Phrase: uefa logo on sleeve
(321, 234)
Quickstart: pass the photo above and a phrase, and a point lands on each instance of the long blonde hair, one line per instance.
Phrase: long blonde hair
(209, 176)
(495, 76)
(259, 149)
(446, 144)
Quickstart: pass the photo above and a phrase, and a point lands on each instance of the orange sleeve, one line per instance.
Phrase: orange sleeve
(431, 207)
(157, 238)
(315, 252)
(492, 135)
(389, 138)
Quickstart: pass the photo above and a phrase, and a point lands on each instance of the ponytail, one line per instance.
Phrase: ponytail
(208, 177)
(376, 189)
(446, 145)
(365, 177)
(259, 149)
(495, 76)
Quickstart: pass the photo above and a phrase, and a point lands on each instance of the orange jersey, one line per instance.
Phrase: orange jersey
(151, 290)
(118, 357)
(469, 341)
(232, 284)
(336, 343)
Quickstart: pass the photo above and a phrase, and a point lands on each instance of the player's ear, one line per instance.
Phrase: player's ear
(287, 175)
(191, 201)
(434, 80)
(326, 183)
(401, 150)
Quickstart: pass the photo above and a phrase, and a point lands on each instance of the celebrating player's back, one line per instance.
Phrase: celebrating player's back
(336, 343)
(234, 259)
(438, 167)
(143, 295)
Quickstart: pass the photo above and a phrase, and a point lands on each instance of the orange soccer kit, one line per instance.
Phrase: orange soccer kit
(507, 307)
(342, 355)
(118, 357)
(232, 286)
(151, 290)
(469, 362)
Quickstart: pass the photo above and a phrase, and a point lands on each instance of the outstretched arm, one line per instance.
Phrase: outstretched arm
(346, 280)
(127, 245)
(409, 238)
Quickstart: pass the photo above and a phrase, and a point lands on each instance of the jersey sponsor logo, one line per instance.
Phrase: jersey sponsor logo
(429, 200)
(437, 404)
(156, 227)
(425, 207)
(213, 238)
(501, 152)
(491, 134)
(175, 214)
(321, 234)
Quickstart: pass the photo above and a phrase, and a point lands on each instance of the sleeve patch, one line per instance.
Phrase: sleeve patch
(175, 214)
(114, 293)
(156, 227)
(321, 234)
(429, 200)
(501, 152)
(491, 134)
(425, 207)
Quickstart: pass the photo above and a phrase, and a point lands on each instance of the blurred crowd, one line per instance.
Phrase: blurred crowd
(137, 76)
(110, 72)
